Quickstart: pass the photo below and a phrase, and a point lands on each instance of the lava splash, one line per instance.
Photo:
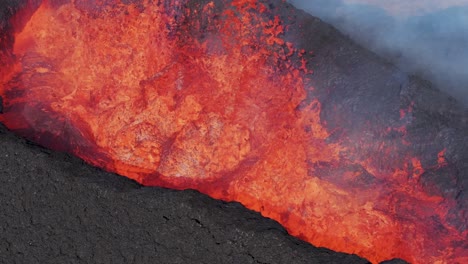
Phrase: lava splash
(209, 95)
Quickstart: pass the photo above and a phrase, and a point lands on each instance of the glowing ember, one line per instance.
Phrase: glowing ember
(211, 97)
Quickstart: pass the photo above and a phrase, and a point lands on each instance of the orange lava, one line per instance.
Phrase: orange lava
(213, 98)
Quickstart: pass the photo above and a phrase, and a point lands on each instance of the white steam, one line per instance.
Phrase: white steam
(421, 36)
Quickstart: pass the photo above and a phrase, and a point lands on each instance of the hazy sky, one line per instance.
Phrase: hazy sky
(410, 7)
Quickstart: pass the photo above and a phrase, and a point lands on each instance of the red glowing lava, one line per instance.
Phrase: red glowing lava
(209, 96)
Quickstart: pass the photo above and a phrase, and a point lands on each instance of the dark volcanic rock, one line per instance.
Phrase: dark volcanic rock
(56, 209)
(394, 261)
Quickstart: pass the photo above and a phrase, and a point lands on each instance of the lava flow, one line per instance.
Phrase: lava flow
(210, 96)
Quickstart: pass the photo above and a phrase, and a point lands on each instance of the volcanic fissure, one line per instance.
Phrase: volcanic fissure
(224, 97)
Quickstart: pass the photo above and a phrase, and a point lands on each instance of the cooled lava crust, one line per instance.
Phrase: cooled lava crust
(248, 101)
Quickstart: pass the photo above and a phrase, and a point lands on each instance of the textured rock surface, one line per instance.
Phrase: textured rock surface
(55, 209)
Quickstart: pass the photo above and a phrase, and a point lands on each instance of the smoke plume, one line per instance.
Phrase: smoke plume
(428, 38)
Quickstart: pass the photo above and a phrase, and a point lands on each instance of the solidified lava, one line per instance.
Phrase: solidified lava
(212, 96)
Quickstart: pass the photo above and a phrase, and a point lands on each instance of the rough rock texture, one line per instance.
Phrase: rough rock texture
(56, 209)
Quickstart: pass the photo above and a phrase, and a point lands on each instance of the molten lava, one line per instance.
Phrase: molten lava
(209, 96)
